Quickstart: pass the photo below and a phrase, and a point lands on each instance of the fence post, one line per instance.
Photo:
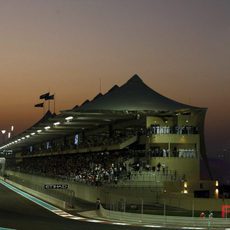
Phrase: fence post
(193, 211)
(142, 204)
(192, 207)
(124, 204)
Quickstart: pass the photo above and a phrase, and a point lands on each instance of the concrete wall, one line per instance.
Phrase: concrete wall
(42, 196)
(2, 165)
(107, 194)
(82, 191)
(131, 195)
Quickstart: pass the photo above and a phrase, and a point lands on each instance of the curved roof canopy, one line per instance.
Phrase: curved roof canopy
(134, 95)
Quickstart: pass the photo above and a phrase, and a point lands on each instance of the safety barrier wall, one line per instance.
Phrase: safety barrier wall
(164, 220)
(114, 194)
(138, 218)
(107, 194)
(42, 196)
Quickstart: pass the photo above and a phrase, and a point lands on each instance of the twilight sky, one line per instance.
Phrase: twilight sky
(180, 48)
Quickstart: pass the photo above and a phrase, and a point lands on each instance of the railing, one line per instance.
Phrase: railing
(148, 179)
(157, 176)
(82, 149)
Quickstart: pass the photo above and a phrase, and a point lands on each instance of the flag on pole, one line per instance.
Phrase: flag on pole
(50, 97)
(44, 96)
(40, 105)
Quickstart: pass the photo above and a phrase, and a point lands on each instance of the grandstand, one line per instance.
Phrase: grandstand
(131, 138)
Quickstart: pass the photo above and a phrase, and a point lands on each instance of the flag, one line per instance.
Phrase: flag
(39, 105)
(44, 96)
(50, 97)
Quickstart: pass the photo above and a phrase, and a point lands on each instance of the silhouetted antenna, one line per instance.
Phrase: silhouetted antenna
(54, 104)
(100, 85)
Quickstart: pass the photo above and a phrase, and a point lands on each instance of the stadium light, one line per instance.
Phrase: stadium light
(57, 123)
(9, 134)
(27, 136)
(38, 131)
(47, 127)
(12, 128)
(216, 193)
(23, 138)
(3, 131)
(185, 191)
(32, 134)
(69, 118)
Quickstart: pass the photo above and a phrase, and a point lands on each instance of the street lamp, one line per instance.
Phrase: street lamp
(12, 130)
(3, 132)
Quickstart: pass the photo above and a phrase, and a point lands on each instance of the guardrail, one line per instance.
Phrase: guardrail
(165, 220)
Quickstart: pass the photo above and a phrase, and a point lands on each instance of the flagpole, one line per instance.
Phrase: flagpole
(54, 104)
(40, 105)
(44, 96)
(48, 105)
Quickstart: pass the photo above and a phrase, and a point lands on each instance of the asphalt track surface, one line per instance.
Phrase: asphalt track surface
(17, 212)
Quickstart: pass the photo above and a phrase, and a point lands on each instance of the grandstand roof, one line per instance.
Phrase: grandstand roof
(119, 103)
(134, 95)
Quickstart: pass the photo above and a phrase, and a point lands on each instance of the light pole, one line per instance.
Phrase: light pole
(3, 132)
(12, 129)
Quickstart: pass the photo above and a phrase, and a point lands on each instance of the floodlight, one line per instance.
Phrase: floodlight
(69, 118)
(57, 123)
(3, 131)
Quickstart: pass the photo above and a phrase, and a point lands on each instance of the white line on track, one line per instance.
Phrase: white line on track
(152, 226)
(94, 221)
(2, 228)
(117, 223)
(77, 218)
(66, 215)
(198, 228)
